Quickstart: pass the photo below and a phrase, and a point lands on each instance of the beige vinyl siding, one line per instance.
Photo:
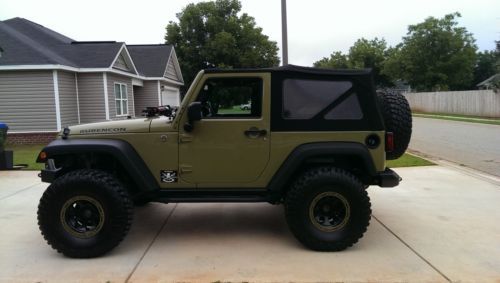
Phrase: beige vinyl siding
(112, 79)
(27, 102)
(170, 72)
(67, 99)
(91, 97)
(146, 96)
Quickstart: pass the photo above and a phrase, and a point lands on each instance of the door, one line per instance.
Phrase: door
(170, 96)
(230, 145)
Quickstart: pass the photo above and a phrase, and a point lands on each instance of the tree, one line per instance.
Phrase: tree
(485, 66)
(363, 54)
(213, 35)
(336, 61)
(436, 54)
(497, 52)
(370, 54)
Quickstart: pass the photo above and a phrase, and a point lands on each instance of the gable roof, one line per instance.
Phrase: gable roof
(488, 81)
(150, 60)
(25, 44)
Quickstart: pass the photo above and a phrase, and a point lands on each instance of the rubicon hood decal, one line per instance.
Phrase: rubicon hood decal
(102, 131)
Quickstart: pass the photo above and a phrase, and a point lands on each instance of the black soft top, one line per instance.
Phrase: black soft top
(294, 69)
(363, 89)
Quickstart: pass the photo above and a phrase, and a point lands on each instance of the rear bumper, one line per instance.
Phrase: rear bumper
(387, 179)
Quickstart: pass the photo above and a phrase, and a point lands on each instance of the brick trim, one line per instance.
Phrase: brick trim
(30, 138)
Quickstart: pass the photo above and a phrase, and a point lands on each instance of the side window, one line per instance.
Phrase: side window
(304, 99)
(231, 98)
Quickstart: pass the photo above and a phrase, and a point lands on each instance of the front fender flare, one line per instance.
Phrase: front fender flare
(121, 150)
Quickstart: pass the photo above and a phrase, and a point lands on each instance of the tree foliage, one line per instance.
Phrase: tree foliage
(497, 51)
(213, 35)
(363, 54)
(436, 54)
(337, 60)
(370, 54)
(486, 66)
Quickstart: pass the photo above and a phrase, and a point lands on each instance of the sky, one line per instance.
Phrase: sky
(316, 28)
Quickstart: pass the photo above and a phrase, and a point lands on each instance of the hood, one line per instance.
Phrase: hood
(112, 127)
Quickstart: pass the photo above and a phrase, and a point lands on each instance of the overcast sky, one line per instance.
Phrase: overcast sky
(315, 27)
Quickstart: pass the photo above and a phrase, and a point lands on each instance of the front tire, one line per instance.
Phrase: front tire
(85, 213)
(327, 209)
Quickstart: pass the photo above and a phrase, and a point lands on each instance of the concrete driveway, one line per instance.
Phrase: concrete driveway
(439, 225)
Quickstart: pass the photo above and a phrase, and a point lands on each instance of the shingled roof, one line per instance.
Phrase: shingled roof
(150, 60)
(23, 42)
(28, 43)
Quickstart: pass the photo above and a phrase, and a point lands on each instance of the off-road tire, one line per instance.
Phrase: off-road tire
(397, 119)
(98, 186)
(318, 181)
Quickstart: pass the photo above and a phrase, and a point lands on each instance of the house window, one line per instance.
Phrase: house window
(121, 99)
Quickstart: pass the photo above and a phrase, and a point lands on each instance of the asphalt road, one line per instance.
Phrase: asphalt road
(471, 144)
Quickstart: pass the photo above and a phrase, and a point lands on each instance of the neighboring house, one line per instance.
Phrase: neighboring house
(492, 82)
(49, 81)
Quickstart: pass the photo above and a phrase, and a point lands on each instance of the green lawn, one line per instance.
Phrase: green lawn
(27, 154)
(408, 160)
(462, 118)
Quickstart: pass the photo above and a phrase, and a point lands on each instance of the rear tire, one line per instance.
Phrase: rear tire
(85, 213)
(327, 209)
(397, 119)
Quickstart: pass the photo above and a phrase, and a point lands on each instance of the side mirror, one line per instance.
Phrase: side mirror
(194, 114)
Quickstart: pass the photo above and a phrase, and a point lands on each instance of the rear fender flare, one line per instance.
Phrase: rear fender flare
(311, 150)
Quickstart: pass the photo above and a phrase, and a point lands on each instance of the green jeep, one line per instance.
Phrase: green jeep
(312, 139)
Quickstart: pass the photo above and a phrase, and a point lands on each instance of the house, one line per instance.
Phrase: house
(492, 82)
(49, 81)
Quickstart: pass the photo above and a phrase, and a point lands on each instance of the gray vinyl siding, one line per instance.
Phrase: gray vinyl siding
(121, 64)
(170, 72)
(112, 79)
(27, 101)
(91, 96)
(146, 96)
(68, 104)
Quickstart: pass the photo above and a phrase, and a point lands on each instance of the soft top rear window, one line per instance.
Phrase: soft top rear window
(304, 99)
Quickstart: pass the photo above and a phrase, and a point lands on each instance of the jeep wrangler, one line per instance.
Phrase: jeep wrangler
(311, 139)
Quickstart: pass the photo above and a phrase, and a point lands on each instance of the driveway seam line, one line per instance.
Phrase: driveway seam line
(20, 191)
(150, 244)
(412, 249)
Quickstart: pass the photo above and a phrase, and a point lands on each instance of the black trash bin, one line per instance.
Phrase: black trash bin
(6, 156)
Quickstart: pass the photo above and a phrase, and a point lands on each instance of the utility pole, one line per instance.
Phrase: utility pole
(284, 33)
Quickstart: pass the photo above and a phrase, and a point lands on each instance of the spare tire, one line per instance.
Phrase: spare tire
(397, 119)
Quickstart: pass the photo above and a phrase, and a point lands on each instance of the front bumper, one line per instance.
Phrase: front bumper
(387, 179)
(50, 173)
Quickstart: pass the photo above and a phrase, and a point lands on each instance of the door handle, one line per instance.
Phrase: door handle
(254, 132)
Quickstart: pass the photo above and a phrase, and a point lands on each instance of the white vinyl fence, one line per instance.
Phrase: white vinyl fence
(483, 103)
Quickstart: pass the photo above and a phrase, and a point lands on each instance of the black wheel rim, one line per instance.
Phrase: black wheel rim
(82, 216)
(329, 211)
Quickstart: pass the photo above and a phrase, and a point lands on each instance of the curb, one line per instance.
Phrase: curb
(458, 167)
